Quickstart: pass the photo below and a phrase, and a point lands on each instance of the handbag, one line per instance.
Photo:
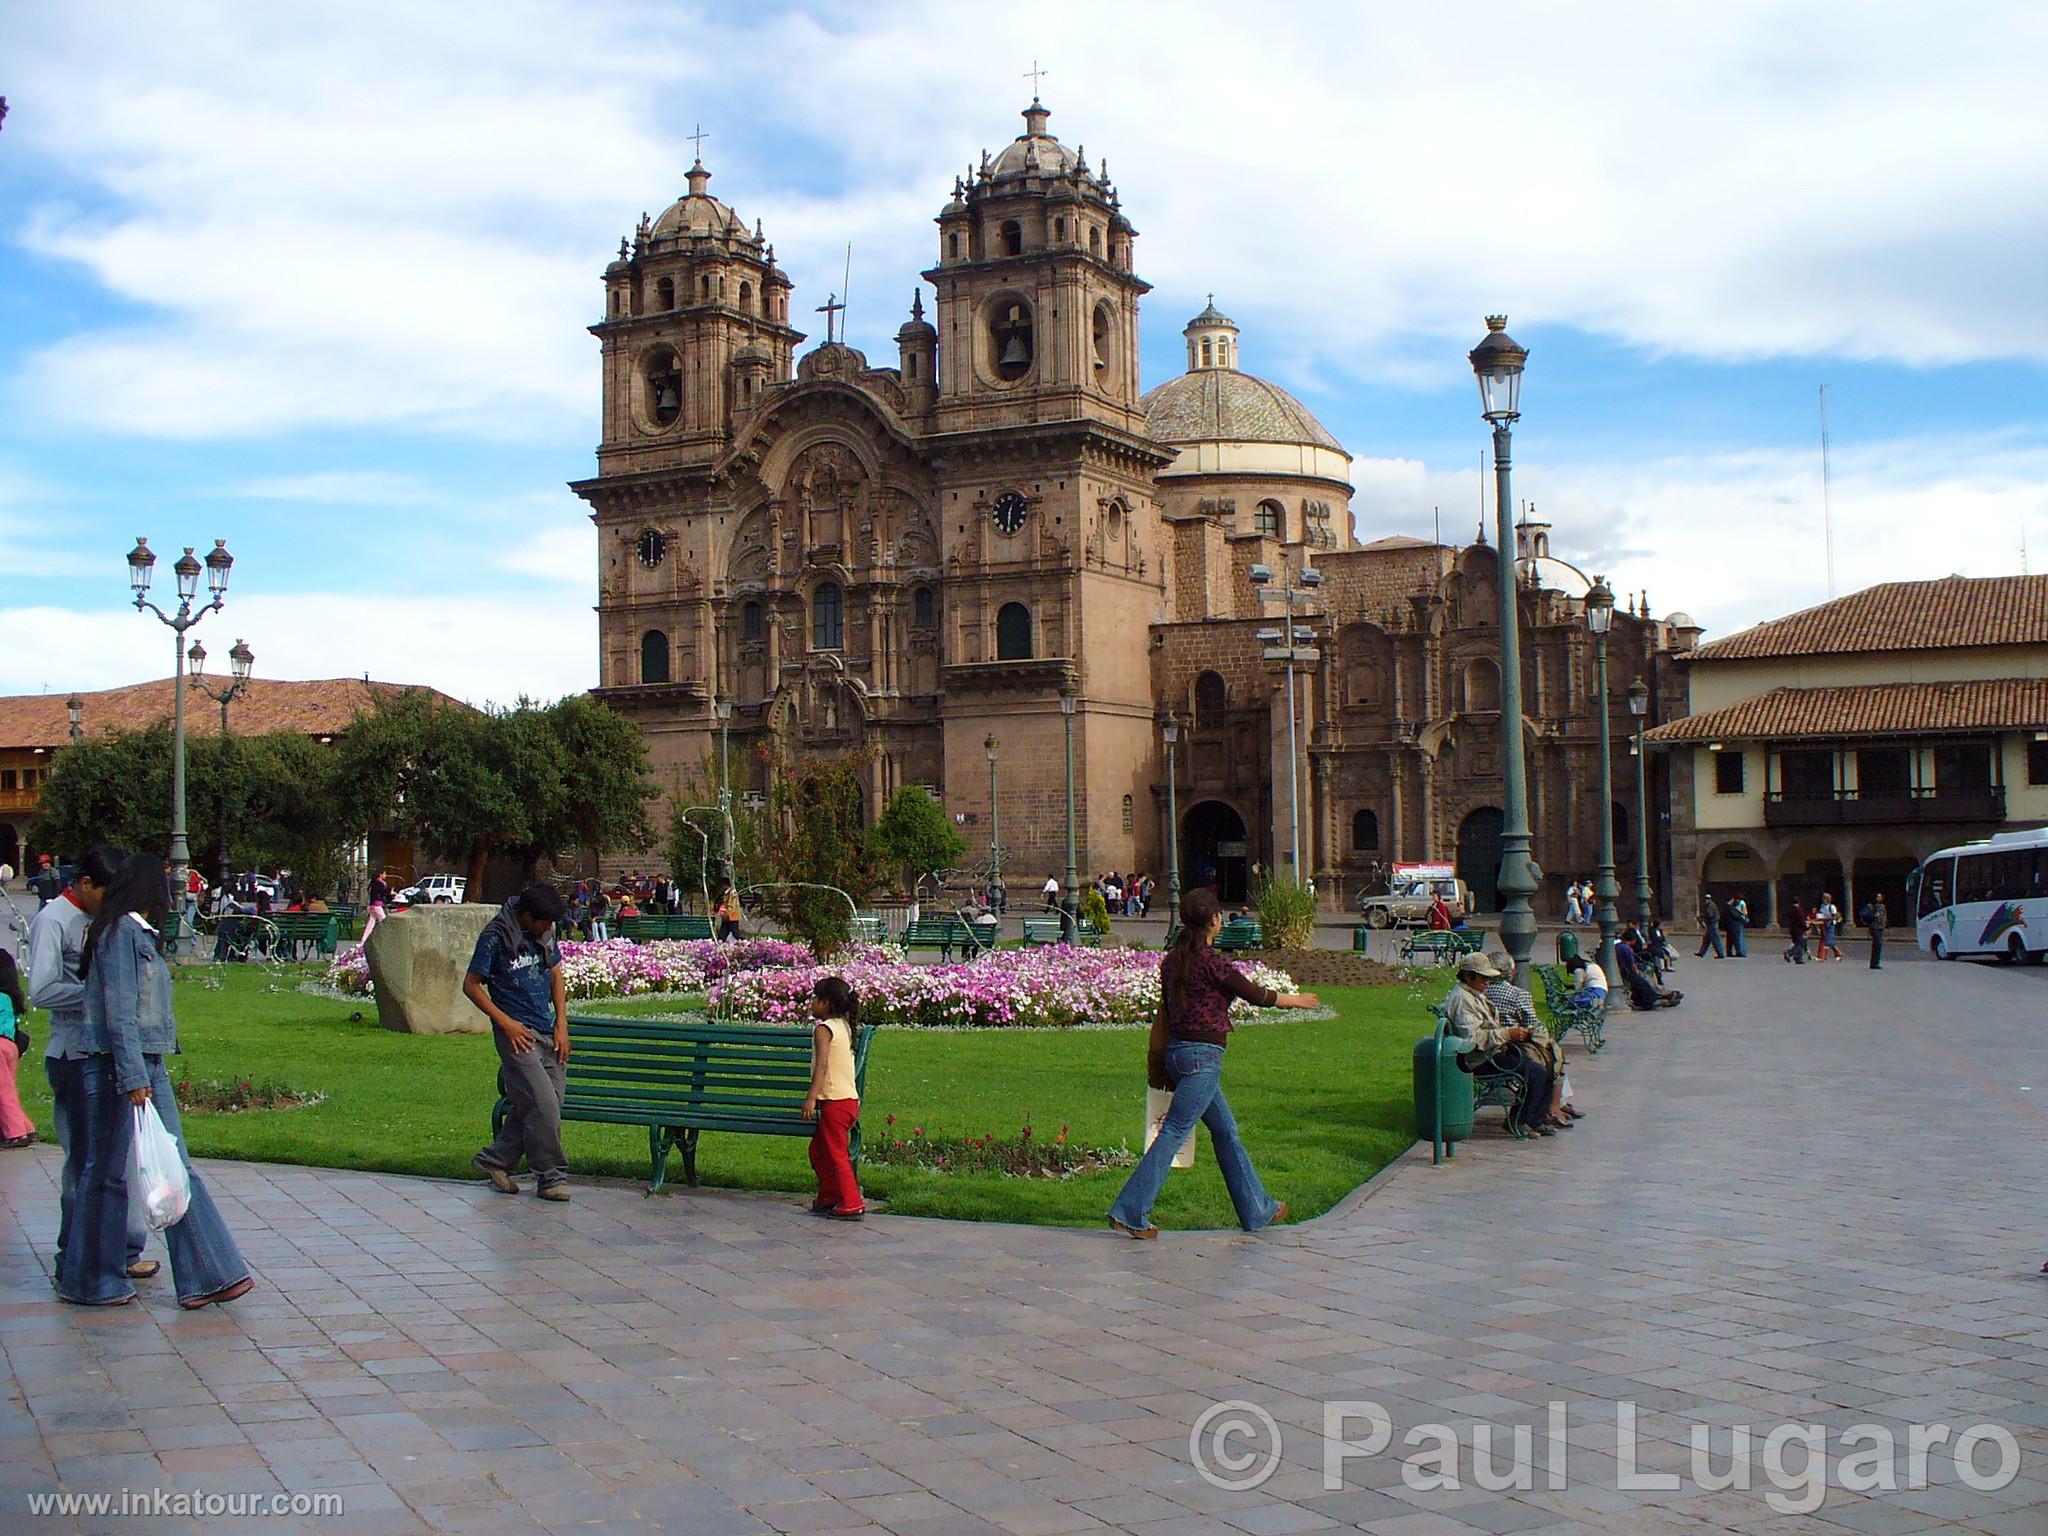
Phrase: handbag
(156, 1170)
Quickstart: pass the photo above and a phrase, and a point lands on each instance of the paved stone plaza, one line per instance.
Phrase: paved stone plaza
(1809, 1196)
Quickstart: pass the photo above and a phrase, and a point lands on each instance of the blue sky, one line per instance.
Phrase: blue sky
(319, 288)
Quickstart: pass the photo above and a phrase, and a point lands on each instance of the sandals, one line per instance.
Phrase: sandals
(144, 1269)
(1146, 1234)
(241, 1287)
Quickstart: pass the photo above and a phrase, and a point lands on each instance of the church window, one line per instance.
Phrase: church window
(1212, 701)
(1266, 519)
(664, 398)
(1094, 240)
(910, 367)
(665, 292)
(1206, 358)
(1103, 331)
(654, 657)
(1013, 633)
(1011, 336)
(828, 618)
(721, 285)
(1222, 352)
(1365, 832)
(753, 621)
(1059, 230)
(747, 298)
(1113, 525)
(1482, 684)
(704, 286)
(952, 247)
(1013, 238)
(924, 608)
(1620, 813)
(616, 305)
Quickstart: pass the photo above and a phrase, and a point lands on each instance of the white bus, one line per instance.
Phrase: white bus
(1985, 898)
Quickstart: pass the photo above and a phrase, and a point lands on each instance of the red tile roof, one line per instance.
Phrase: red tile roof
(1953, 611)
(325, 707)
(1874, 709)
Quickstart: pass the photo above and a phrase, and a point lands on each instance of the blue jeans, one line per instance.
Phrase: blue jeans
(92, 1267)
(67, 1183)
(1196, 1072)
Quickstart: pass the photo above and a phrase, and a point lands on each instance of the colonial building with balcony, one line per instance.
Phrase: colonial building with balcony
(1833, 749)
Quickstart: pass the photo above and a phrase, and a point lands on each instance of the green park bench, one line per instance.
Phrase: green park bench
(1439, 945)
(679, 1080)
(1499, 1090)
(945, 934)
(1052, 930)
(869, 930)
(296, 932)
(1563, 1015)
(1240, 933)
(676, 925)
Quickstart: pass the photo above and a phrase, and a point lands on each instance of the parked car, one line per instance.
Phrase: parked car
(1407, 904)
(435, 891)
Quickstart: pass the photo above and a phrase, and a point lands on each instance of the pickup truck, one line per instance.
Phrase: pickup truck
(1407, 905)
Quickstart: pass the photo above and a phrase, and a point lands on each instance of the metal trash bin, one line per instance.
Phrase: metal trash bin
(1567, 947)
(1361, 939)
(1443, 1095)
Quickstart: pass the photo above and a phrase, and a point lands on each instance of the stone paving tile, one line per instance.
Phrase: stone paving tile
(1721, 1243)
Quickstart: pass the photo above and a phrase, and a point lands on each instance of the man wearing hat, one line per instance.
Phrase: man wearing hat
(1495, 1046)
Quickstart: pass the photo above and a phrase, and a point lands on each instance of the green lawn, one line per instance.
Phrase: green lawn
(1323, 1103)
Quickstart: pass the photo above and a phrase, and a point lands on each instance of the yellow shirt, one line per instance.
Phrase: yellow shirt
(839, 1083)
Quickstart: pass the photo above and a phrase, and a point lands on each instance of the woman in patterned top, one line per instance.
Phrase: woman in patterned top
(1189, 1032)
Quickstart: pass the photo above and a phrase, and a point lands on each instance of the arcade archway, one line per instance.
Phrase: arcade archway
(1216, 851)
(1479, 856)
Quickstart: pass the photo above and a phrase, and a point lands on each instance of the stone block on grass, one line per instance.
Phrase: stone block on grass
(417, 961)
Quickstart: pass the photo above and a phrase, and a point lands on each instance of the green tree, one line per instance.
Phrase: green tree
(913, 836)
(812, 846)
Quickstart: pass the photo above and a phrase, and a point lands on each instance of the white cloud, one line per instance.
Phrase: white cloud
(555, 554)
(485, 650)
(388, 213)
(367, 488)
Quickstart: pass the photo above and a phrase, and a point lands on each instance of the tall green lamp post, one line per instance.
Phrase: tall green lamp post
(997, 894)
(1639, 706)
(1498, 362)
(1070, 922)
(1169, 728)
(240, 659)
(1600, 619)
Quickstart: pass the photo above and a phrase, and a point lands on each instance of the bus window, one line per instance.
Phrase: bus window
(1935, 878)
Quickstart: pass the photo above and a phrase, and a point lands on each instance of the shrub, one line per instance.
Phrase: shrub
(1287, 914)
(1027, 1156)
(1094, 909)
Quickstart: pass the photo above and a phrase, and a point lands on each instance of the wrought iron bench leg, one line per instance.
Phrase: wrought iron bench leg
(660, 1139)
(687, 1145)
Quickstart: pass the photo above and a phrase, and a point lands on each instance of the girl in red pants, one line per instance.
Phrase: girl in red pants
(833, 1100)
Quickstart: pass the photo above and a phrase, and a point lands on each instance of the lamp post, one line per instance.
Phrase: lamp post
(74, 710)
(1292, 643)
(240, 659)
(722, 708)
(1639, 706)
(1070, 921)
(1498, 362)
(1169, 728)
(141, 566)
(995, 832)
(1599, 619)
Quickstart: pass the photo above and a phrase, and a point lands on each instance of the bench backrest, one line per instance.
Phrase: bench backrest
(643, 1067)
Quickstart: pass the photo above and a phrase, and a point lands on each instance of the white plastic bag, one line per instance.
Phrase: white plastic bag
(156, 1171)
(1157, 1102)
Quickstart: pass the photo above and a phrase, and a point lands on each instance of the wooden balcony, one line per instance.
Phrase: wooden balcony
(17, 802)
(1918, 807)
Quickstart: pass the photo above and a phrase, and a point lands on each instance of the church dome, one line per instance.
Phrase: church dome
(697, 212)
(1223, 405)
(1034, 151)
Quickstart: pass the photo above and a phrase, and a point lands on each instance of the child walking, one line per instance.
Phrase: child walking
(833, 1100)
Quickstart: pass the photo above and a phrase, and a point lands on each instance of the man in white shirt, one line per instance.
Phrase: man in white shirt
(1051, 892)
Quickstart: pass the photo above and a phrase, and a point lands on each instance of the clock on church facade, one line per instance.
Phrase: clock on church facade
(1008, 511)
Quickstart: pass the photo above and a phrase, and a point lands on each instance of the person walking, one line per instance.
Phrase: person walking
(1877, 920)
(1710, 927)
(1571, 904)
(728, 913)
(55, 940)
(1734, 920)
(1829, 916)
(833, 1099)
(515, 980)
(1051, 892)
(116, 1066)
(16, 1129)
(380, 898)
(1185, 1054)
(45, 882)
(1795, 929)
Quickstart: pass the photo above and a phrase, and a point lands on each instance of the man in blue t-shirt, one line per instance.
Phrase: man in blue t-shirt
(515, 978)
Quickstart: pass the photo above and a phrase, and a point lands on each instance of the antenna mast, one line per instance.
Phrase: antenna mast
(1827, 503)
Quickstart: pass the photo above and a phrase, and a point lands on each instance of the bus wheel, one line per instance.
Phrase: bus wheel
(1939, 949)
(2015, 949)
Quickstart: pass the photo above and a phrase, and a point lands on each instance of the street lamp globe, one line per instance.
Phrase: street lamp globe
(242, 659)
(218, 564)
(187, 570)
(141, 566)
(1638, 698)
(989, 747)
(1070, 697)
(1498, 362)
(74, 711)
(721, 708)
(1169, 728)
(197, 657)
(1600, 608)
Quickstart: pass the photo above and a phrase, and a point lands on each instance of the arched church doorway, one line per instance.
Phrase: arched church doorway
(1217, 854)
(1479, 856)
(10, 848)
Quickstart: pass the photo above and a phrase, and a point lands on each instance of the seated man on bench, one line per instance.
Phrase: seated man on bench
(1492, 1046)
(1517, 1005)
(1642, 991)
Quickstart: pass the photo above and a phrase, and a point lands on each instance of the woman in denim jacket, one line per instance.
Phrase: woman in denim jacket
(118, 1063)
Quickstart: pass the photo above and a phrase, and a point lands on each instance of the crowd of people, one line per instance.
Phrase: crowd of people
(1725, 924)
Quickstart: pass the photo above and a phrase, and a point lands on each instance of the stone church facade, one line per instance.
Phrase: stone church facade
(905, 561)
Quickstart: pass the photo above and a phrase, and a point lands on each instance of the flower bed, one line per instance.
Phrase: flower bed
(623, 968)
(1051, 987)
(1027, 1157)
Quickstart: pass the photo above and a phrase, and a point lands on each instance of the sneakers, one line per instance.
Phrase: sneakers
(555, 1191)
(501, 1181)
